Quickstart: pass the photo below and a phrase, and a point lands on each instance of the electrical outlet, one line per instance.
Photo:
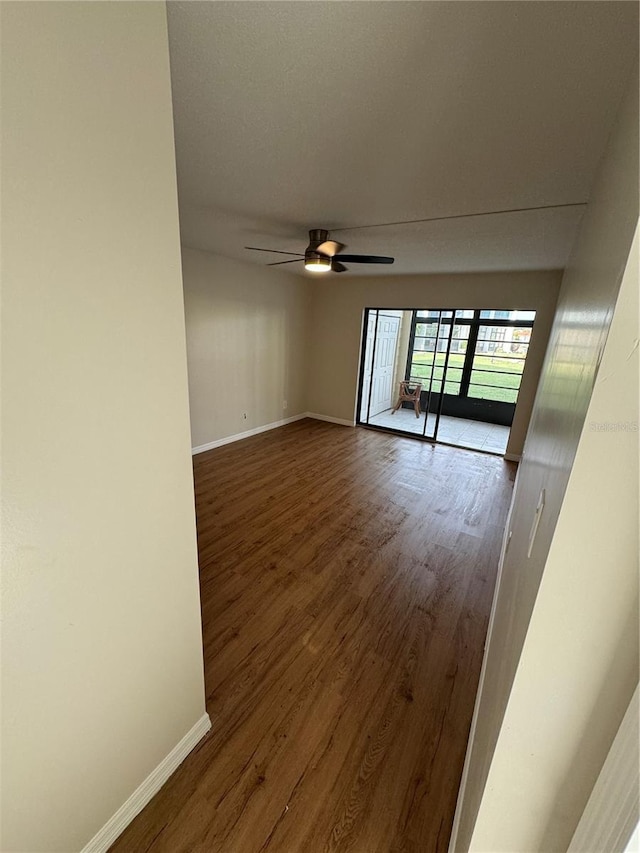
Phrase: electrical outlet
(244, 416)
(284, 404)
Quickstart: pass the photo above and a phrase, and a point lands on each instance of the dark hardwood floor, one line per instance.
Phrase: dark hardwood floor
(346, 580)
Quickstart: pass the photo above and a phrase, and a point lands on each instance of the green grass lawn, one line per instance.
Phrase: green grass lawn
(502, 373)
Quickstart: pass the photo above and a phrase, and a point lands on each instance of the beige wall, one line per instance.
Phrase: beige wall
(402, 350)
(336, 330)
(247, 330)
(585, 306)
(579, 664)
(102, 654)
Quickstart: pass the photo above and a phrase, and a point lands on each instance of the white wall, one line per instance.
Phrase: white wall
(102, 654)
(336, 329)
(247, 341)
(579, 664)
(611, 819)
(585, 306)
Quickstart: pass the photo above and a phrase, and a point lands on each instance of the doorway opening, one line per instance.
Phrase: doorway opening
(447, 375)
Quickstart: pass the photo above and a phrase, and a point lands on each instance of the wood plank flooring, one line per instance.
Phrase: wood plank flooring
(346, 580)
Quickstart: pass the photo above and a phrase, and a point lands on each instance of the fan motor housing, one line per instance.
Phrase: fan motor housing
(310, 255)
(317, 236)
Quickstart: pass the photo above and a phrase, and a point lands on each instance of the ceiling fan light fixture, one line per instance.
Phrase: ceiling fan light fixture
(323, 255)
(317, 263)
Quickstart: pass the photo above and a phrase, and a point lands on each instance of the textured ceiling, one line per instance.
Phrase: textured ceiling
(293, 115)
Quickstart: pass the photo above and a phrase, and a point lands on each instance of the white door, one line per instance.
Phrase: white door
(379, 380)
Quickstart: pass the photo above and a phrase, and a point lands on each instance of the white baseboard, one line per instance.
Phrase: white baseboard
(464, 779)
(512, 457)
(330, 420)
(229, 439)
(116, 825)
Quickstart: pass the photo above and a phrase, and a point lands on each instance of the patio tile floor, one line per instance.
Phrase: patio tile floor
(475, 435)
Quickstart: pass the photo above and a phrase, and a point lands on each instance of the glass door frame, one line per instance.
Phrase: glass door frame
(432, 438)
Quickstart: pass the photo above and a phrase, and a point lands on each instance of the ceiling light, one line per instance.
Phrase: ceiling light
(317, 263)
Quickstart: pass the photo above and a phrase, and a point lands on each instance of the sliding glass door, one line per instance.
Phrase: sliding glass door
(421, 365)
(403, 367)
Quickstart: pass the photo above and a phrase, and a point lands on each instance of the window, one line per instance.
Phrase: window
(487, 352)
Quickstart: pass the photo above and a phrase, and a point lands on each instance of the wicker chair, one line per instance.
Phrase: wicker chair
(409, 393)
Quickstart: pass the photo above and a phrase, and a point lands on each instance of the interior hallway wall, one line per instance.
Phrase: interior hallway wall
(247, 344)
(579, 664)
(101, 637)
(585, 306)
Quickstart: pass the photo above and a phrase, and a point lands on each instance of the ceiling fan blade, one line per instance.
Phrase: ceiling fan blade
(274, 251)
(336, 266)
(330, 247)
(278, 263)
(363, 259)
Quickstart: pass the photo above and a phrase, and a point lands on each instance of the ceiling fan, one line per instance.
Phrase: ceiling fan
(323, 254)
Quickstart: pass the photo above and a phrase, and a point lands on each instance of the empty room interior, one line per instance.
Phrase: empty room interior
(320, 427)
